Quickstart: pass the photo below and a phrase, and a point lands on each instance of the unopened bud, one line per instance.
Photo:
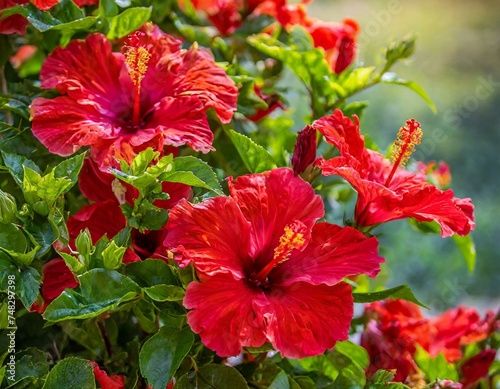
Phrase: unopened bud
(304, 152)
(8, 208)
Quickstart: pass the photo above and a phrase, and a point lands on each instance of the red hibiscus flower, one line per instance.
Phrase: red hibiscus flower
(386, 191)
(56, 277)
(438, 175)
(458, 327)
(477, 367)
(338, 41)
(15, 24)
(154, 94)
(267, 272)
(395, 327)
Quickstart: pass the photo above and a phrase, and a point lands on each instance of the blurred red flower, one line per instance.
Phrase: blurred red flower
(386, 191)
(338, 41)
(395, 327)
(477, 367)
(154, 94)
(267, 272)
(15, 24)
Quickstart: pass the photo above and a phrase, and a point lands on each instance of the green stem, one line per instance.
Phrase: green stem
(5, 91)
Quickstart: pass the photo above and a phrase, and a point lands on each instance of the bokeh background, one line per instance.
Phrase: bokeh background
(457, 62)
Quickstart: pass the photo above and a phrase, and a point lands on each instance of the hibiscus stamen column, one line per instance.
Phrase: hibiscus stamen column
(292, 238)
(409, 136)
(136, 58)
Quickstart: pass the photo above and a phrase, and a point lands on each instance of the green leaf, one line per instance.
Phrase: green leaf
(41, 192)
(468, 250)
(351, 377)
(26, 281)
(70, 168)
(31, 364)
(101, 290)
(8, 208)
(161, 355)
(165, 292)
(73, 263)
(15, 164)
(381, 380)
(42, 232)
(85, 333)
(146, 316)
(212, 376)
(307, 62)
(28, 286)
(65, 19)
(255, 157)
(436, 367)
(354, 352)
(280, 381)
(355, 80)
(391, 78)
(14, 243)
(193, 172)
(399, 292)
(150, 272)
(126, 22)
(71, 373)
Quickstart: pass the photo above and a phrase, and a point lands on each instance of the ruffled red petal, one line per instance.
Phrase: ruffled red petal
(226, 313)
(182, 120)
(214, 235)
(270, 201)
(199, 76)
(306, 320)
(333, 253)
(91, 74)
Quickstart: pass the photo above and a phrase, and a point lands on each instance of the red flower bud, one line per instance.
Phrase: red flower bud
(304, 152)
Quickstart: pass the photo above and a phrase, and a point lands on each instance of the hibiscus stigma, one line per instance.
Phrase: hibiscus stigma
(409, 136)
(136, 58)
(291, 239)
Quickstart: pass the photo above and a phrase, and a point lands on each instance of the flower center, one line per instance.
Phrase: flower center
(136, 58)
(292, 238)
(409, 136)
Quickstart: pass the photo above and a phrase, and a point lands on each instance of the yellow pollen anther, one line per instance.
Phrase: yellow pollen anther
(137, 59)
(288, 241)
(409, 136)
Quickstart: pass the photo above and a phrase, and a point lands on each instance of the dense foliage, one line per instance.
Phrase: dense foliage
(166, 218)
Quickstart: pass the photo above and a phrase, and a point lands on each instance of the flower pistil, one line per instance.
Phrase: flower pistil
(136, 58)
(292, 238)
(409, 136)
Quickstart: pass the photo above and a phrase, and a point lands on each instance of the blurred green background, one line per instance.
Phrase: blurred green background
(457, 61)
